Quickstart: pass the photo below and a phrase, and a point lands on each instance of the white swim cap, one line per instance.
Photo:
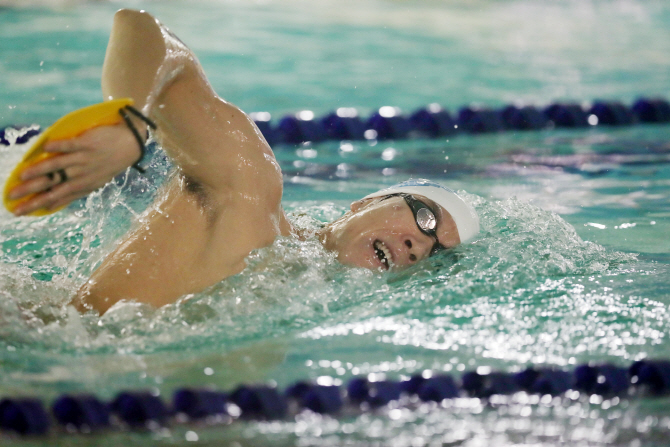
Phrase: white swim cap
(465, 217)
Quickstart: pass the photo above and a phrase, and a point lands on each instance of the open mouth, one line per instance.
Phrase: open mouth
(383, 253)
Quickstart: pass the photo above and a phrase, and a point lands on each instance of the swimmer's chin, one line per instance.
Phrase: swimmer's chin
(382, 271)
(371, 266)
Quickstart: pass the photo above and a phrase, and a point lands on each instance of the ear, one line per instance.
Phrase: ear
(358, 204)
(355, 206)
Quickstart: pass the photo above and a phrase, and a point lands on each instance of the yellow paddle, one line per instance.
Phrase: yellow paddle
(71, 125)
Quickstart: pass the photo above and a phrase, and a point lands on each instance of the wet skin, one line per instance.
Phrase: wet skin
(223, 201)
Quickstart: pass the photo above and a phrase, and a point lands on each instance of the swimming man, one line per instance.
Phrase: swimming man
(224, 199)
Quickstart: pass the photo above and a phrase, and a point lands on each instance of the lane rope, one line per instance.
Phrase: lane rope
(432, 121)
(144, 410)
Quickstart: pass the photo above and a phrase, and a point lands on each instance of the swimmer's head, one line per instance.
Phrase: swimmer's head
(400, 225)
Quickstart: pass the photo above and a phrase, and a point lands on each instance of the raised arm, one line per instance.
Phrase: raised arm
(213, 142)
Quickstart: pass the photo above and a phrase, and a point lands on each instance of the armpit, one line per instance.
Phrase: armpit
(199, 193)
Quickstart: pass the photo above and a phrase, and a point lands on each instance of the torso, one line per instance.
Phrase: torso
(186, 242)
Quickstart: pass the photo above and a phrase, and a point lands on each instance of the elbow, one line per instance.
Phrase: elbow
(133, 21)
(126, 15)
(89, 299)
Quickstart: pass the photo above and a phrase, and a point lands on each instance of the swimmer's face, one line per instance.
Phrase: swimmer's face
(382, 233)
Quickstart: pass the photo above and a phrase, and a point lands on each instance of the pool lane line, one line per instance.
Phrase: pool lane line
(432, 121)
(133, 410)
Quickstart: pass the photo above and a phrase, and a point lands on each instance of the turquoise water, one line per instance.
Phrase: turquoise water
(571, 266)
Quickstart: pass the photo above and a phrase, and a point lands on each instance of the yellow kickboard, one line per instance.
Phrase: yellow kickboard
(71, 125)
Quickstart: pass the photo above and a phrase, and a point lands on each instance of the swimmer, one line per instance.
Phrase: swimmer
(224, 200)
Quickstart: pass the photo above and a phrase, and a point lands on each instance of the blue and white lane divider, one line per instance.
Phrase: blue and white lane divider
(389, 123)
(142, 409)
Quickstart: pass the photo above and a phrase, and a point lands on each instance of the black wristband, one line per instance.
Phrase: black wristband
(142, 144)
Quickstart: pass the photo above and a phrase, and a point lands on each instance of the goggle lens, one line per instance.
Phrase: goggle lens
(425, 219)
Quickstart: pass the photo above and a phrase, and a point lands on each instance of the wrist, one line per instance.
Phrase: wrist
(139, 126)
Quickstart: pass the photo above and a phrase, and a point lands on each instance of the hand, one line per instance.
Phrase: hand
(89, 162)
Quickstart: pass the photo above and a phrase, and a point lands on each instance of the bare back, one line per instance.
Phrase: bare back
(225, 198)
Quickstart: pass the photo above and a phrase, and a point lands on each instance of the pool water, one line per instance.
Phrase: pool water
(571, 264)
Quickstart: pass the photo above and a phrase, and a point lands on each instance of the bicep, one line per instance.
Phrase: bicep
(211, 140)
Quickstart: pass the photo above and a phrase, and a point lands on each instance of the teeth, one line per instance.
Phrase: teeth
(383, 253)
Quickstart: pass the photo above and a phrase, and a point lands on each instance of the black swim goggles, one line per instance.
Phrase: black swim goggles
(425, 219)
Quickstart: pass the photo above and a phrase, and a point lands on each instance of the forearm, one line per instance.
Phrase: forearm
(146, 62)
(142, 58)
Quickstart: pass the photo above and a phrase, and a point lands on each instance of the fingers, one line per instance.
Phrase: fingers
(64, 146)
(89, 161)
(46, 181)
(61, 194)
(53, 164)
(87, 141)
(34, 186)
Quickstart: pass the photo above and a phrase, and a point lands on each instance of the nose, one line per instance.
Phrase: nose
(417, 247)
(412, 256)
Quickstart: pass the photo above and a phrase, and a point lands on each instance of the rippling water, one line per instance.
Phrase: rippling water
(571, 264)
